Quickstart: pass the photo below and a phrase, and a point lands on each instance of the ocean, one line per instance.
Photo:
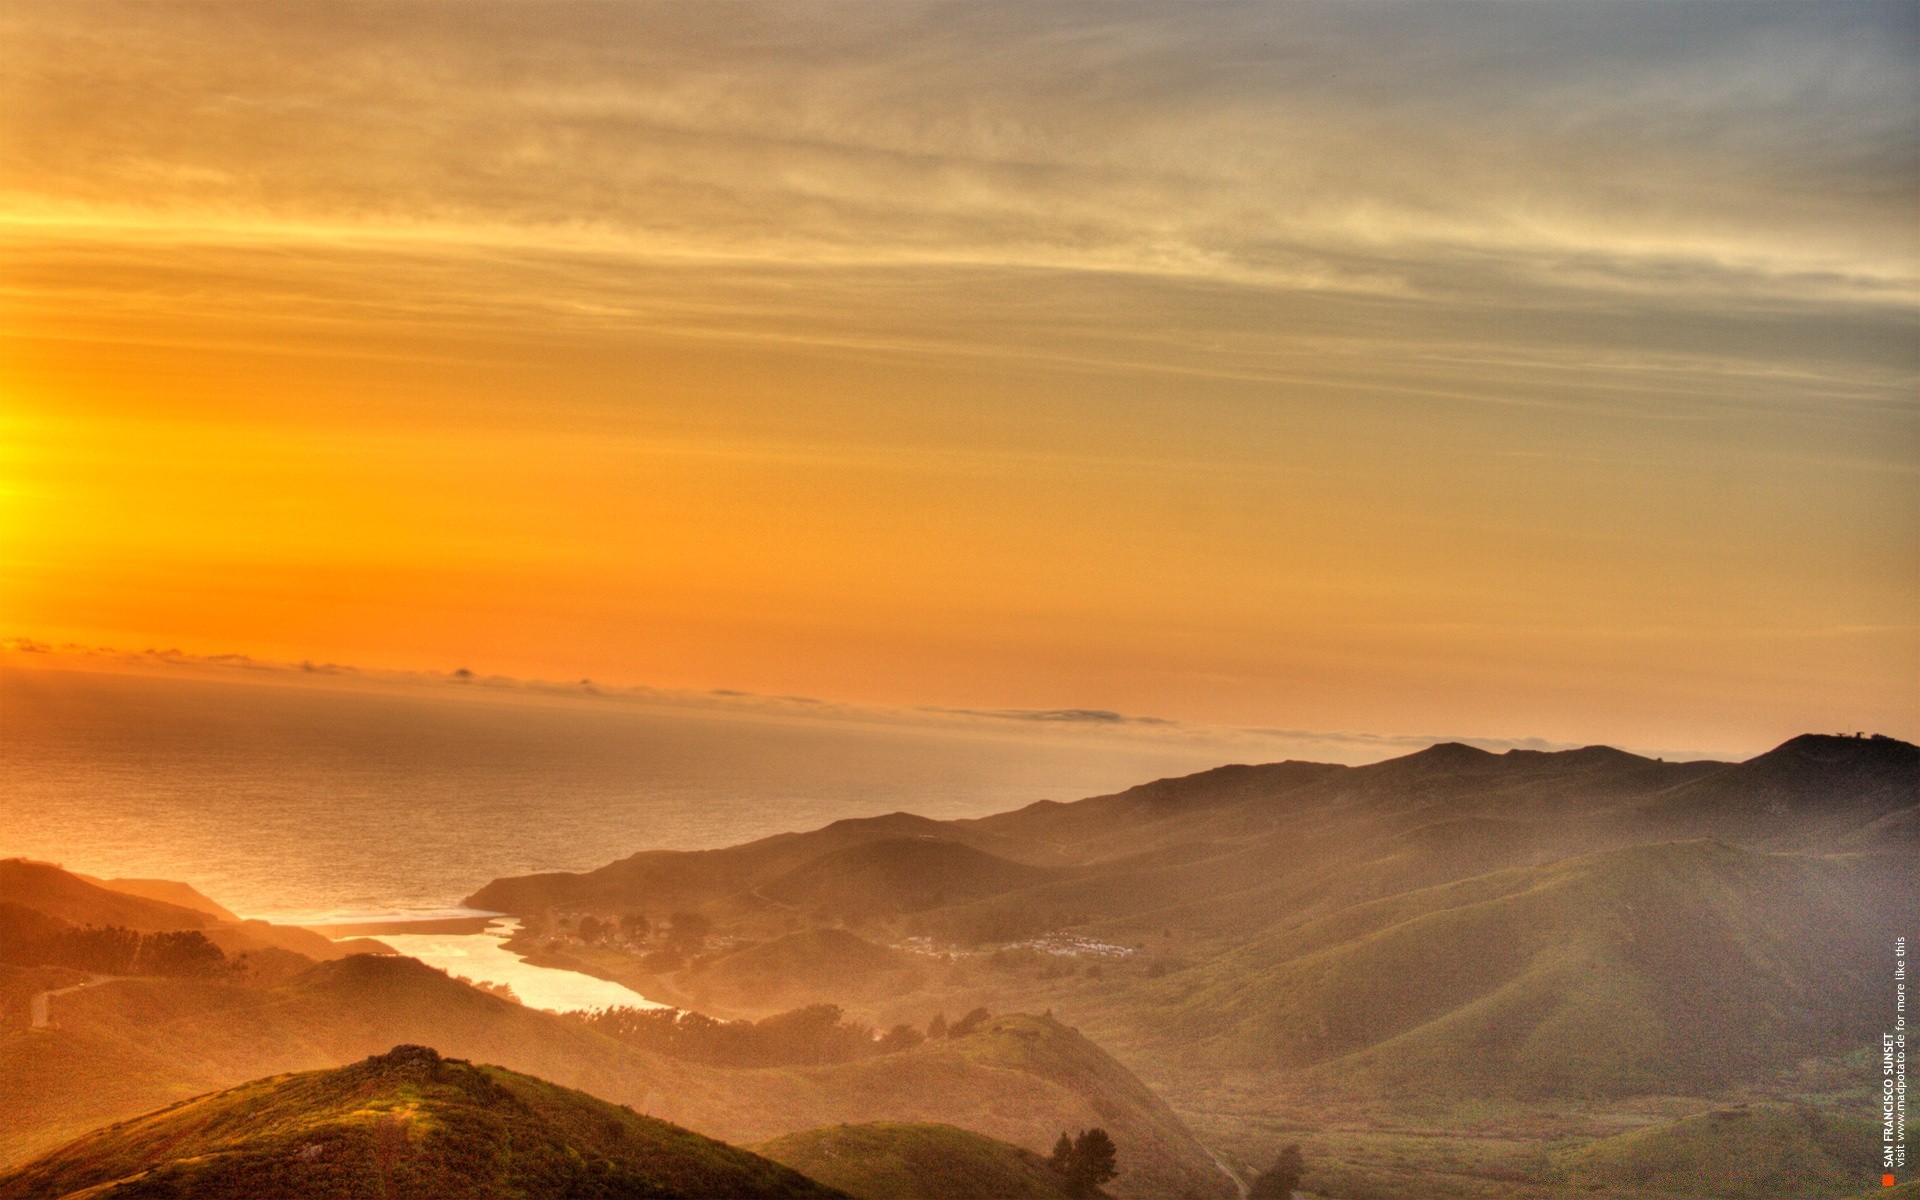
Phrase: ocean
(310, 803)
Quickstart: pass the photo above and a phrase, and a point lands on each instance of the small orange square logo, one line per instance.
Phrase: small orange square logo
(1886, 1181)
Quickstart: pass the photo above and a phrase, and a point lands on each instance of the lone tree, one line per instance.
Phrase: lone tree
(1278, 1181)
(1086, 1161)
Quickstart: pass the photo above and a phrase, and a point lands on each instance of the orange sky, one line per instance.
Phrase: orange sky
(1536, 372)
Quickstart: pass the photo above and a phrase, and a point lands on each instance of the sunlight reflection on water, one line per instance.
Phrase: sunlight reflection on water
(307, 806)
(483, 958)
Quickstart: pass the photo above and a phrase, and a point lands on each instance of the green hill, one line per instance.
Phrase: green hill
(406, 1123)
(155, 906)
(1020, 1079)
(815, 963)
(1748, 1152)
(896, 875)
(1681, 966)
(894, 1161)
(129, 1046)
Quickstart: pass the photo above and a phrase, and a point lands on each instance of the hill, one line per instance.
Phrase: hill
(813, 963)
(1746, 1152)
(156, 906)
(1682, 967)
(407, 1122)
(128, 1046)
(47, 889)
(895, 875)
(1239, 849)
(1018, 1078)
(894, 1161)
(165, 890)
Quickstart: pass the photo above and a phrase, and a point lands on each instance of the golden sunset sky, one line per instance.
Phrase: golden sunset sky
(1541, 370)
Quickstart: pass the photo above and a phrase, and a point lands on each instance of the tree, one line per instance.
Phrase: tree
(592, 929)
(185, 952)
(634, 927)
(967, 1024)
(900, 1037)
(1086, 1161)
(937, 1028)
(1094, 1155)
(1279, 1181)
(1061, 1159)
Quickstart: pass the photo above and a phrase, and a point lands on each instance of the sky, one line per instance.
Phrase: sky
(1526, 371)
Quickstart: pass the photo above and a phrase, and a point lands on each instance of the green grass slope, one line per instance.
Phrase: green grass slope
(899, 875)
(1680, 966)
(1750, 1152)
(813, 963)
(129, 1046)
(896, 1161)
(406, 1123)
(1021, 1079)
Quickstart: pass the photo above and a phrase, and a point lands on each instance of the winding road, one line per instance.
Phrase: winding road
(42, 1006)
(1228, 1171)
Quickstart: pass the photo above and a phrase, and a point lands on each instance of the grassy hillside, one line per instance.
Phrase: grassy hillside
(895, 1161)
(893, 875)
(1748, 1152)
(47, 889)
(156, 906)
(132, 1045)
(166, 890)
(404, 1123)
(1677, 967)
(1020, 1079)
(814, 963)
(1239, 850)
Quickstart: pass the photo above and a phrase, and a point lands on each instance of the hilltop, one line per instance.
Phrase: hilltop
(1238, 848)
(407, 1122)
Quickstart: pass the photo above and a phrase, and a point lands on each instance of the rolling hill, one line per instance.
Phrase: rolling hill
(1745, 1152)
(1679, 966)
(409, 1123)
(128, 1046)
(1239, 849)
(805, 966)
(895, 1161)
(157, 906)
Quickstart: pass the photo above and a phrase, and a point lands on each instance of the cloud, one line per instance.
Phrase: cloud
(1352, 149)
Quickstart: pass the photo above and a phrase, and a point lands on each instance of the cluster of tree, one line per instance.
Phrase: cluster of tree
(804, 1036)
(818, 1033)
(115, 951)
(1282, 1179)
(1086, 1161)
(938, 1027)
(503, 990)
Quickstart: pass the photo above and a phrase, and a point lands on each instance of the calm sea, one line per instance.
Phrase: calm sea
(303, 803)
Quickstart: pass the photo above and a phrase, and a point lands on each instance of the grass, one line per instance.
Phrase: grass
(1745, 1152)
(405, 1123)
(896, 1161)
